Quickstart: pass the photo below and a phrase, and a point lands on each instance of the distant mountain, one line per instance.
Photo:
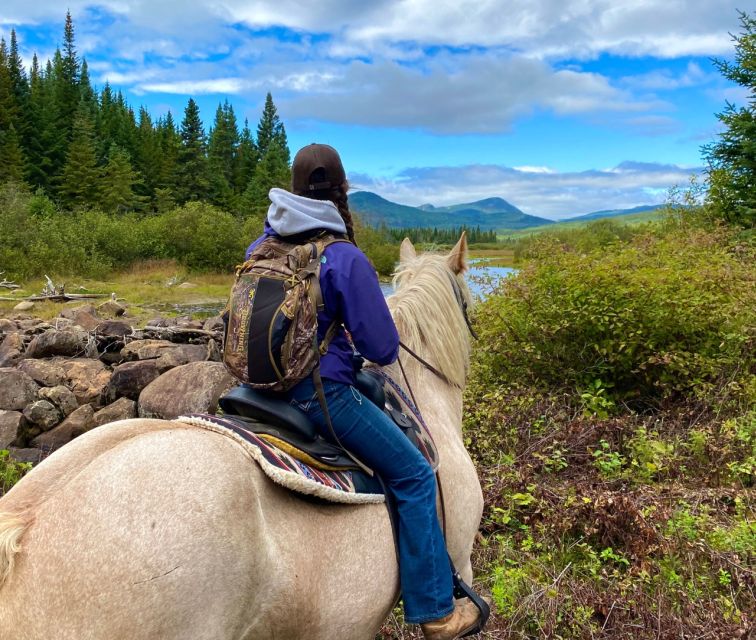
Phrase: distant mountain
(613, 213)
(491, 213)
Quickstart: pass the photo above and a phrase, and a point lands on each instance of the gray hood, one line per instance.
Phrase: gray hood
(290, 214)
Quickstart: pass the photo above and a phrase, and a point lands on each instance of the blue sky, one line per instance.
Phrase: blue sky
(560, 107)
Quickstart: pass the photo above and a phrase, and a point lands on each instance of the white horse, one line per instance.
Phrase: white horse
(152, 529)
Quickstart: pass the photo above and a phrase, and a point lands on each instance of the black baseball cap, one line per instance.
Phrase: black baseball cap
(316, 167)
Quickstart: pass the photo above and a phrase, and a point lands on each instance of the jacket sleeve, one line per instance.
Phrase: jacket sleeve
(354, 293)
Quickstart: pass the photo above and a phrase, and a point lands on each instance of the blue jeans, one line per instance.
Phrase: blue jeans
(367, 432)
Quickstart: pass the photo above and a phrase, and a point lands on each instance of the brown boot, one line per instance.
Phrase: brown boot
(459, 622)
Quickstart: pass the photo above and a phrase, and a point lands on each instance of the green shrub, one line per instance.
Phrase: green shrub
(11, 471)
(660, 316)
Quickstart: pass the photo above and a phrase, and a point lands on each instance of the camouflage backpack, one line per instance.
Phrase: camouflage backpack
(271, 334)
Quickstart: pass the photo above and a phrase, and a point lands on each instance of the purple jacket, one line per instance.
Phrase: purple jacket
(351, 293)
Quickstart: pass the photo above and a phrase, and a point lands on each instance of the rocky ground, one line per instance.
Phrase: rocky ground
(93, 365)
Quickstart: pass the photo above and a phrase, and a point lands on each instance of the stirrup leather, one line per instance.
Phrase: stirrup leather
(464, 590)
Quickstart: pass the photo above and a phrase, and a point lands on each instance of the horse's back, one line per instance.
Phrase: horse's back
(146, 529)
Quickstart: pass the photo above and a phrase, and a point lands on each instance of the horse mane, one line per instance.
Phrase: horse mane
(428, 316)
(12, 527)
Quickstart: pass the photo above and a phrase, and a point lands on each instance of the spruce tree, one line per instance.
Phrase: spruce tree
(269, 126)
(79, 180)
(9, 112)
(246, 159)
(192, 171)
(224, 140)
(117, 183)
(12, 164)
(271, 171)
(732, 158)
(170, 143)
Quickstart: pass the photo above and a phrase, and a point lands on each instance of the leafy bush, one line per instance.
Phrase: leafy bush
(37, 238)
(11, 471)
(658, 317)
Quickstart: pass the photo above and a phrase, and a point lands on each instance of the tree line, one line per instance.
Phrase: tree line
(85, 147)
(434, 235)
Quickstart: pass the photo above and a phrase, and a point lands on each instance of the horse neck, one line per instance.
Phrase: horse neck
(430, 322)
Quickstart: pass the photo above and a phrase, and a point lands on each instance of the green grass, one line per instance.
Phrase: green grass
(147, 289)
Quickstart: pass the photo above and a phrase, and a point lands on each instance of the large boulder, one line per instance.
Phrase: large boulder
(44, 372)
(111, 309)
(61, 396)
(11, 349)
(7, 326)
(190, 388)
(68, 342)
(146, 349)
(85, 316)
(43, 414)
(17, 389)
(182, 354)
(87, 378)
(130, 378)
(11, 427)
(114, 329)
(121, 409)
(77, 423)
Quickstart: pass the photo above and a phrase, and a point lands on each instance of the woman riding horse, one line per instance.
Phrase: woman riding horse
(352, 295)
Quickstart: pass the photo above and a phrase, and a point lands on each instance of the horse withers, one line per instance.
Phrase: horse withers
(145, 529)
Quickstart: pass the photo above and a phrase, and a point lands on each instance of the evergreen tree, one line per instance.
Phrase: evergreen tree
(80, 177)
(86, 91)
(192, 175)
(8, 106)
(19, 86)
(12, 164)
(270, 129)
(170, 143)
(271, 171)
(224, 140)
(116, 187)
(732, 158)
(246, 159)
(147, 159)
(39, 166)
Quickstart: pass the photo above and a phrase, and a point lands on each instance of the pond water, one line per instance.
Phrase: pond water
(481, 279)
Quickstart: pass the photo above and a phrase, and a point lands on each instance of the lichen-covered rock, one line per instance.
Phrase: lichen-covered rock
(181, 354)
(74, 425)
(190, 388)
(121, 409)
(61, 396)
(130, 378)
(42, 413)
(87, 378)
(67, 342)
(44, 372)
(11, 427)
(17, 389)
(146, 349)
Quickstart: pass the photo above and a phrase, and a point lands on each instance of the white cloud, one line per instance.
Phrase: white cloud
(584, 28)
(194, 87)
(549, 194)
(480, 93)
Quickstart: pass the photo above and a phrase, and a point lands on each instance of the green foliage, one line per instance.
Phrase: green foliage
(732, 158)
(38, 238)
(378, 247)
(11, 471)
(661, 316)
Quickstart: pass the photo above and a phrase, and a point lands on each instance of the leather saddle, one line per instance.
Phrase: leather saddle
(271, 414)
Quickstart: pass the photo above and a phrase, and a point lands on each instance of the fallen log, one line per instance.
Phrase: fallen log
(59, 297)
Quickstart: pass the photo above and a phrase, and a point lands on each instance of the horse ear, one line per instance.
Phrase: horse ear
(458, 257)
(407, 251)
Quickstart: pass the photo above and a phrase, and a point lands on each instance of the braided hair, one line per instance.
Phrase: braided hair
(337, 195)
